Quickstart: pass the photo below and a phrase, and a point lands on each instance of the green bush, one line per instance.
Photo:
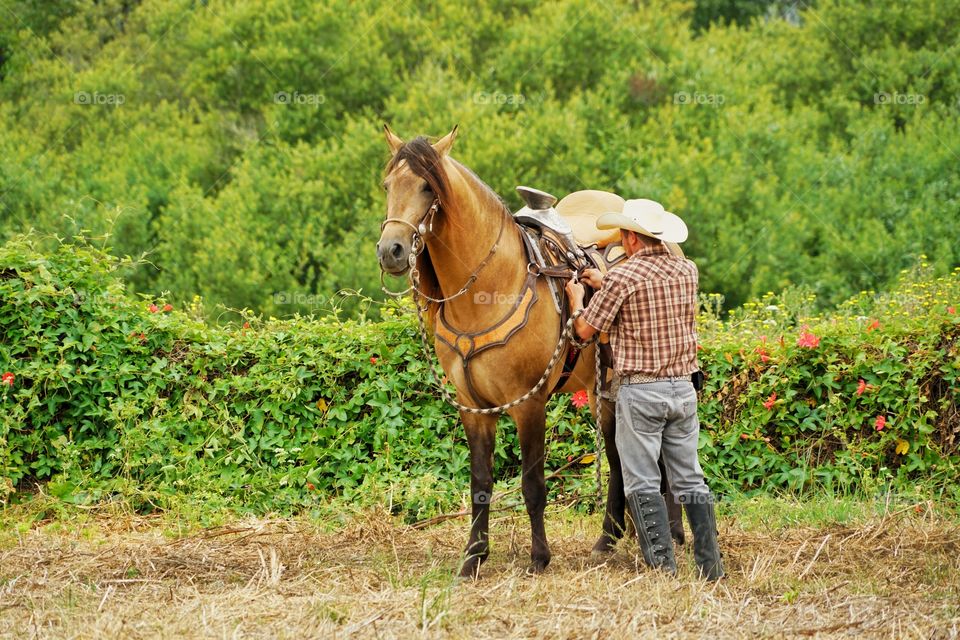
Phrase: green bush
(114, 395)
(804, 144)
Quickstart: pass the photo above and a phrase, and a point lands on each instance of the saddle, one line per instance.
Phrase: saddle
(564, 240)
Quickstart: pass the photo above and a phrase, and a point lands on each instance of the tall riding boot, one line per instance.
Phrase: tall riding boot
(703, 523)
(649, 513)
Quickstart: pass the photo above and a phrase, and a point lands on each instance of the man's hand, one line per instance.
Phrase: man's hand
(575, 293)
(592, 277)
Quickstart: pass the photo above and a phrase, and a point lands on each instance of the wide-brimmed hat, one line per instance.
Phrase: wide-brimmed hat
(647, 217)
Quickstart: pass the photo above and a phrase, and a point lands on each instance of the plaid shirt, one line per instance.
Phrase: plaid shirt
(648, 304)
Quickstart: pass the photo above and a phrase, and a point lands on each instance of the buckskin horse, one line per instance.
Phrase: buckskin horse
(494, 327)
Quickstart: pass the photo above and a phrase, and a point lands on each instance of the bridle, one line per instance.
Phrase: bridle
(417, 245)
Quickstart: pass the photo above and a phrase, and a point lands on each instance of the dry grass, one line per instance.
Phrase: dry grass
(884, 576)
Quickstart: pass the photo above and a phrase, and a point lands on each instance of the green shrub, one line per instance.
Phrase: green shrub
(114, 395)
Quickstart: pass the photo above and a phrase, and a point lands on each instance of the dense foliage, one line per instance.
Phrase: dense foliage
(237, 141)
(106, 395)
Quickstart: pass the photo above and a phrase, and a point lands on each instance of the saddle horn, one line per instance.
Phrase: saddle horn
(535, 199)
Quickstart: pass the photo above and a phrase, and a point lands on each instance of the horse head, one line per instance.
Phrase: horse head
(416, 186)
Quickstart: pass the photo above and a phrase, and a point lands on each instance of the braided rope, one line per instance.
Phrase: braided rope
(598, 443)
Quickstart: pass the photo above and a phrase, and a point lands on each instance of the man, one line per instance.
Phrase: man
(648, 304)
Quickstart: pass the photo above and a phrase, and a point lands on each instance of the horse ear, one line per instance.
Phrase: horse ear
(442, 146)
(393, 140)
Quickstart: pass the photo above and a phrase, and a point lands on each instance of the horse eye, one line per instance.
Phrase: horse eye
(427, 189)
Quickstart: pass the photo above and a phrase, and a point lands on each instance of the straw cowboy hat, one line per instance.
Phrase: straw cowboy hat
(647, 217)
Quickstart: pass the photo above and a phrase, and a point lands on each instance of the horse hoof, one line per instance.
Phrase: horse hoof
(538, 565)
(600, 557)
(603, 546)
(470, 570)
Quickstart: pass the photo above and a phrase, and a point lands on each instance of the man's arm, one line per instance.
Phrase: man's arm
(604, 305)
(575, 293)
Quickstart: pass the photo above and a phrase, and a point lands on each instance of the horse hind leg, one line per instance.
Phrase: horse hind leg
(531, 425)
(481, 436)
(613, 516)
(674, 510)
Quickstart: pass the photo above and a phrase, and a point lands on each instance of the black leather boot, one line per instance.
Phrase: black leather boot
(649, 513)
(703, 523)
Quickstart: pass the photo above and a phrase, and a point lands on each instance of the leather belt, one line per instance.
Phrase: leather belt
(642, 378)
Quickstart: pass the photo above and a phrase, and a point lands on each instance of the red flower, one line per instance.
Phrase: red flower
(873, 325)
(168, 307)
(7, 379)
(699, 347)
(808, 340)
(373, 359)
(951, 310)
(770, 401)
(153, 308)
(861, 387)
(580, 399)
(246, 325)
(310, 486)
(880, 423)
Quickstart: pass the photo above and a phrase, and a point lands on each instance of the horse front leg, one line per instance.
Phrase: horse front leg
(531, 422)
(481, 436)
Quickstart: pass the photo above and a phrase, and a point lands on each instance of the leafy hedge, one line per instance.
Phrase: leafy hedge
(104, 394)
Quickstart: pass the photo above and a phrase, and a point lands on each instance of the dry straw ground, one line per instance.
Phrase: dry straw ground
(885, 575)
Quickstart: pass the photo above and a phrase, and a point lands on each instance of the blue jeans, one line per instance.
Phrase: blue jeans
(657, 417)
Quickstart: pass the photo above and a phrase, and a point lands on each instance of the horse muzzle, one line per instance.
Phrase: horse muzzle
(394, 257)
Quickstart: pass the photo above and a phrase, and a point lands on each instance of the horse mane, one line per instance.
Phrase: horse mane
(424, 161)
